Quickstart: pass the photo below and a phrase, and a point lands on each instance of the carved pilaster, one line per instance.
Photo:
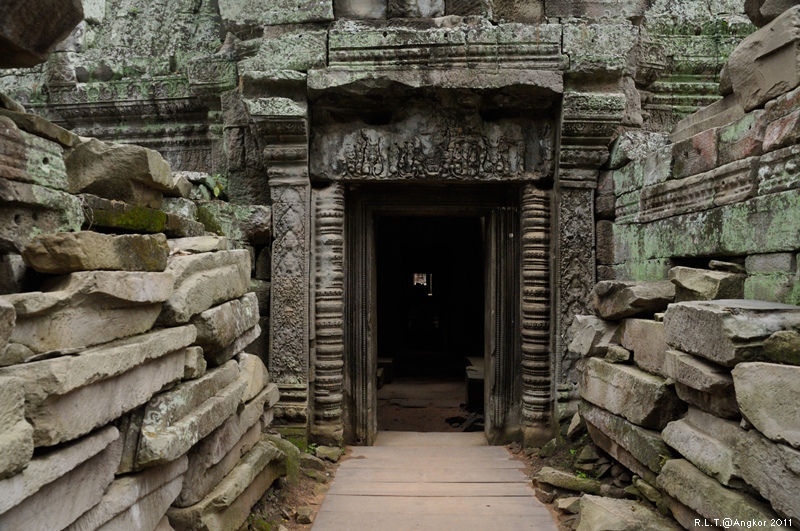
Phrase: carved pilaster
(536, 398)
(329, 313)
(282, 134)
(588, 123)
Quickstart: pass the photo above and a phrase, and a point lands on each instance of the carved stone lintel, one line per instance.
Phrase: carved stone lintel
(329, 312)
(536, 399)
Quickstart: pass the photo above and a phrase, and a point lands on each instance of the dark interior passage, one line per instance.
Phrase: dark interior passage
(430, 302)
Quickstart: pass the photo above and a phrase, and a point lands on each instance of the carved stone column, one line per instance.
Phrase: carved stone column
(588, 122)
(282, 128)
(536, 395)
(329, 314)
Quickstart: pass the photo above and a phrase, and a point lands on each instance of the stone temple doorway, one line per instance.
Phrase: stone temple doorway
(430, 318)
(473, 224)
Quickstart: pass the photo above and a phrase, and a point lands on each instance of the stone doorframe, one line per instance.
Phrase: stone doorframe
(306, 357)
(516, 329)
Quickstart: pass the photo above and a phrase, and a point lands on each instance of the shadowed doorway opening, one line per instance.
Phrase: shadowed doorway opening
(430, 310)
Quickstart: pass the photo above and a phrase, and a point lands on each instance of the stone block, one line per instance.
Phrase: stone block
(30, 159)
(614, 299)
(620, 454)
(635, 145)
(697, 373)
(179, 206)
(242, 223)
(742, 138)
(361, 10)
(27, 210)
(642, 398)
(645, 338)
(16, 435)
(778, 171)
(708, 442)
(119, 216)
(704, 284)
(774, 49)
(657, 166)
(783, 347)
(604, 242)
(732, 183)
(785, 131)
(591, 336)
(727, 331)
(30, 31)
(682, 480)
(219, 326)
(292, 48)
(772, 469)
(40, 127)
(228, 505)
(629, 178)
(74, 486)
(719, 113)
(771, 263)
(202, 478)
(600, 514)
(568, 481)
(138, 501)
(85, 251)
(174, 421)
(88, 308)
(242, 342)
(124, 172)
(12, 273)
(253, 370)
(195, 363)
(617, 354)
(253, 13)
(68, 396)
(413, 9)
(723, 406)
(8, 317)
(644, 445)
(198, 244)
(694, 155)
(765, 393)
(204, 280)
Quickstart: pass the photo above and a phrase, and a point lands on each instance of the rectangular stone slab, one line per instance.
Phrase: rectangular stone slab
(204, 280)
(134, 491)
(53, 386)
(169, 431)
(49, 466)
(727, 331)
(706, 496)
(16, 435)
(697, 373)
(229, 504)
(30, 159)
(59, 503)
(708, 442)
(772, 469)
(219, 326)
(768, 395)
(645, 338)
(645, 445)
(640, 397)
(721, 405)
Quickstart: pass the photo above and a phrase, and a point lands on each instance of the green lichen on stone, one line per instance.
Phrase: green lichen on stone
(137, 219)
(773, 287)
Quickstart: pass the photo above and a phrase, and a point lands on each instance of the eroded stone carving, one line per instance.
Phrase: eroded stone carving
(430, 144)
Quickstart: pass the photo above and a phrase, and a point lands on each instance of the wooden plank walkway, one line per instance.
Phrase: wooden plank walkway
(431, 481)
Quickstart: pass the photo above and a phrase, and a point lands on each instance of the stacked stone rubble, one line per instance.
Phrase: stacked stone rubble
(704, 410)
(128, 398)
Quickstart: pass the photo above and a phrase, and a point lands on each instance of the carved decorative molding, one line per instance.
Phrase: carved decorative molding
(363, 44)
(536, 353)
(329, 309)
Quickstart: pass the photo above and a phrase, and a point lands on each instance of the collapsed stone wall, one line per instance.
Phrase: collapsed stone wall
(128, 397)
(689, 369)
